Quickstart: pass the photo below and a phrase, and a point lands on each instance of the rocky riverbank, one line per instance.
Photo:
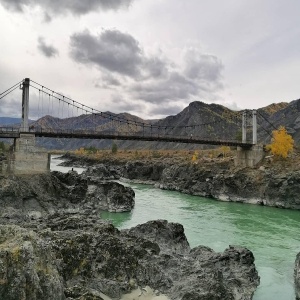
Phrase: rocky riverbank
(38, 195)
(54, 246)
(77, 256)
(268, 184)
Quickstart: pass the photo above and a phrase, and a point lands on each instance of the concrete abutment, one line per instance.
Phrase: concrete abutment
(249, 157)
(26, 158)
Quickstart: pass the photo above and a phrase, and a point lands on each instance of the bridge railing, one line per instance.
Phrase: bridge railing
(112, 134)
(6, 129)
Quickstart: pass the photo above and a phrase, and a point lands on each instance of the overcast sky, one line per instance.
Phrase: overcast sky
(152, 58)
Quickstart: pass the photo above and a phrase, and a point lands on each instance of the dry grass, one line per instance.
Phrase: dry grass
(176, 156)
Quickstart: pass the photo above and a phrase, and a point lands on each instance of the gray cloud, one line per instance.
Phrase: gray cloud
(10, 107)
(200, 76)
(153, 79)
(112, 50)
(47, 50)
(156, 67)
(119, 104)
(202, 66)
(116, 52)
(108, 81)
(76, 7)
(175, 87)
(167, 110)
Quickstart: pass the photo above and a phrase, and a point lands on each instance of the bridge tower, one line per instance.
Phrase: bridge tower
(245, 125)
(25, 105)
(249, 157)
(26, 157)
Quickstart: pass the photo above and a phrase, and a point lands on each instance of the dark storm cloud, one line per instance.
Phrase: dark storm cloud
(112, 50)
(47, 50)
(76, 7)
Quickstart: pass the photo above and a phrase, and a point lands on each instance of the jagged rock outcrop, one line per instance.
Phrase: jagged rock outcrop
(28, 266)
(39, 195)
(143, 170)
(103, 172)
(78, 256)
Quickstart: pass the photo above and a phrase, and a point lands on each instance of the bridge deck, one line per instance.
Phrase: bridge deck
(15, 133)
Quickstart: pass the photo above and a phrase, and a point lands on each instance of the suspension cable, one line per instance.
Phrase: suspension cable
(115, 117)
(17, 84)
(267, 120)
(3, 95)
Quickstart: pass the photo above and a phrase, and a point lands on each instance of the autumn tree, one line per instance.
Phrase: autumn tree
(80, 151)
(195, 156)
(114, 148)
(282, 143)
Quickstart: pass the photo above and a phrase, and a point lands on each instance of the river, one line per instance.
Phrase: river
(272, 234)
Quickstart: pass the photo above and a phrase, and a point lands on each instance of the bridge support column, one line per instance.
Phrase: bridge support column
(249, 157)
(25, 105)
(26, 158)
(244, 127)
(254, 127)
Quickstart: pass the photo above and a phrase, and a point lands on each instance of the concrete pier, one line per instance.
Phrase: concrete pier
(26, 158)
(249, 157)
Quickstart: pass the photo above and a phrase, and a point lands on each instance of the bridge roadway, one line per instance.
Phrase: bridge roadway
(6, 132)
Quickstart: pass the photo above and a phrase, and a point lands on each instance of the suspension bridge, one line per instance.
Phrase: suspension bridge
(58, 116)
(72, 119)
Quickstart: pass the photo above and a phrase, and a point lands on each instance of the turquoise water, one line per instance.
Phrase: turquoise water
(270, 233)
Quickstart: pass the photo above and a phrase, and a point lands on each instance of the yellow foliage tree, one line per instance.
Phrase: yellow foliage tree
(225, 150)
(282, 143)
(80, 151)
(195, 156)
